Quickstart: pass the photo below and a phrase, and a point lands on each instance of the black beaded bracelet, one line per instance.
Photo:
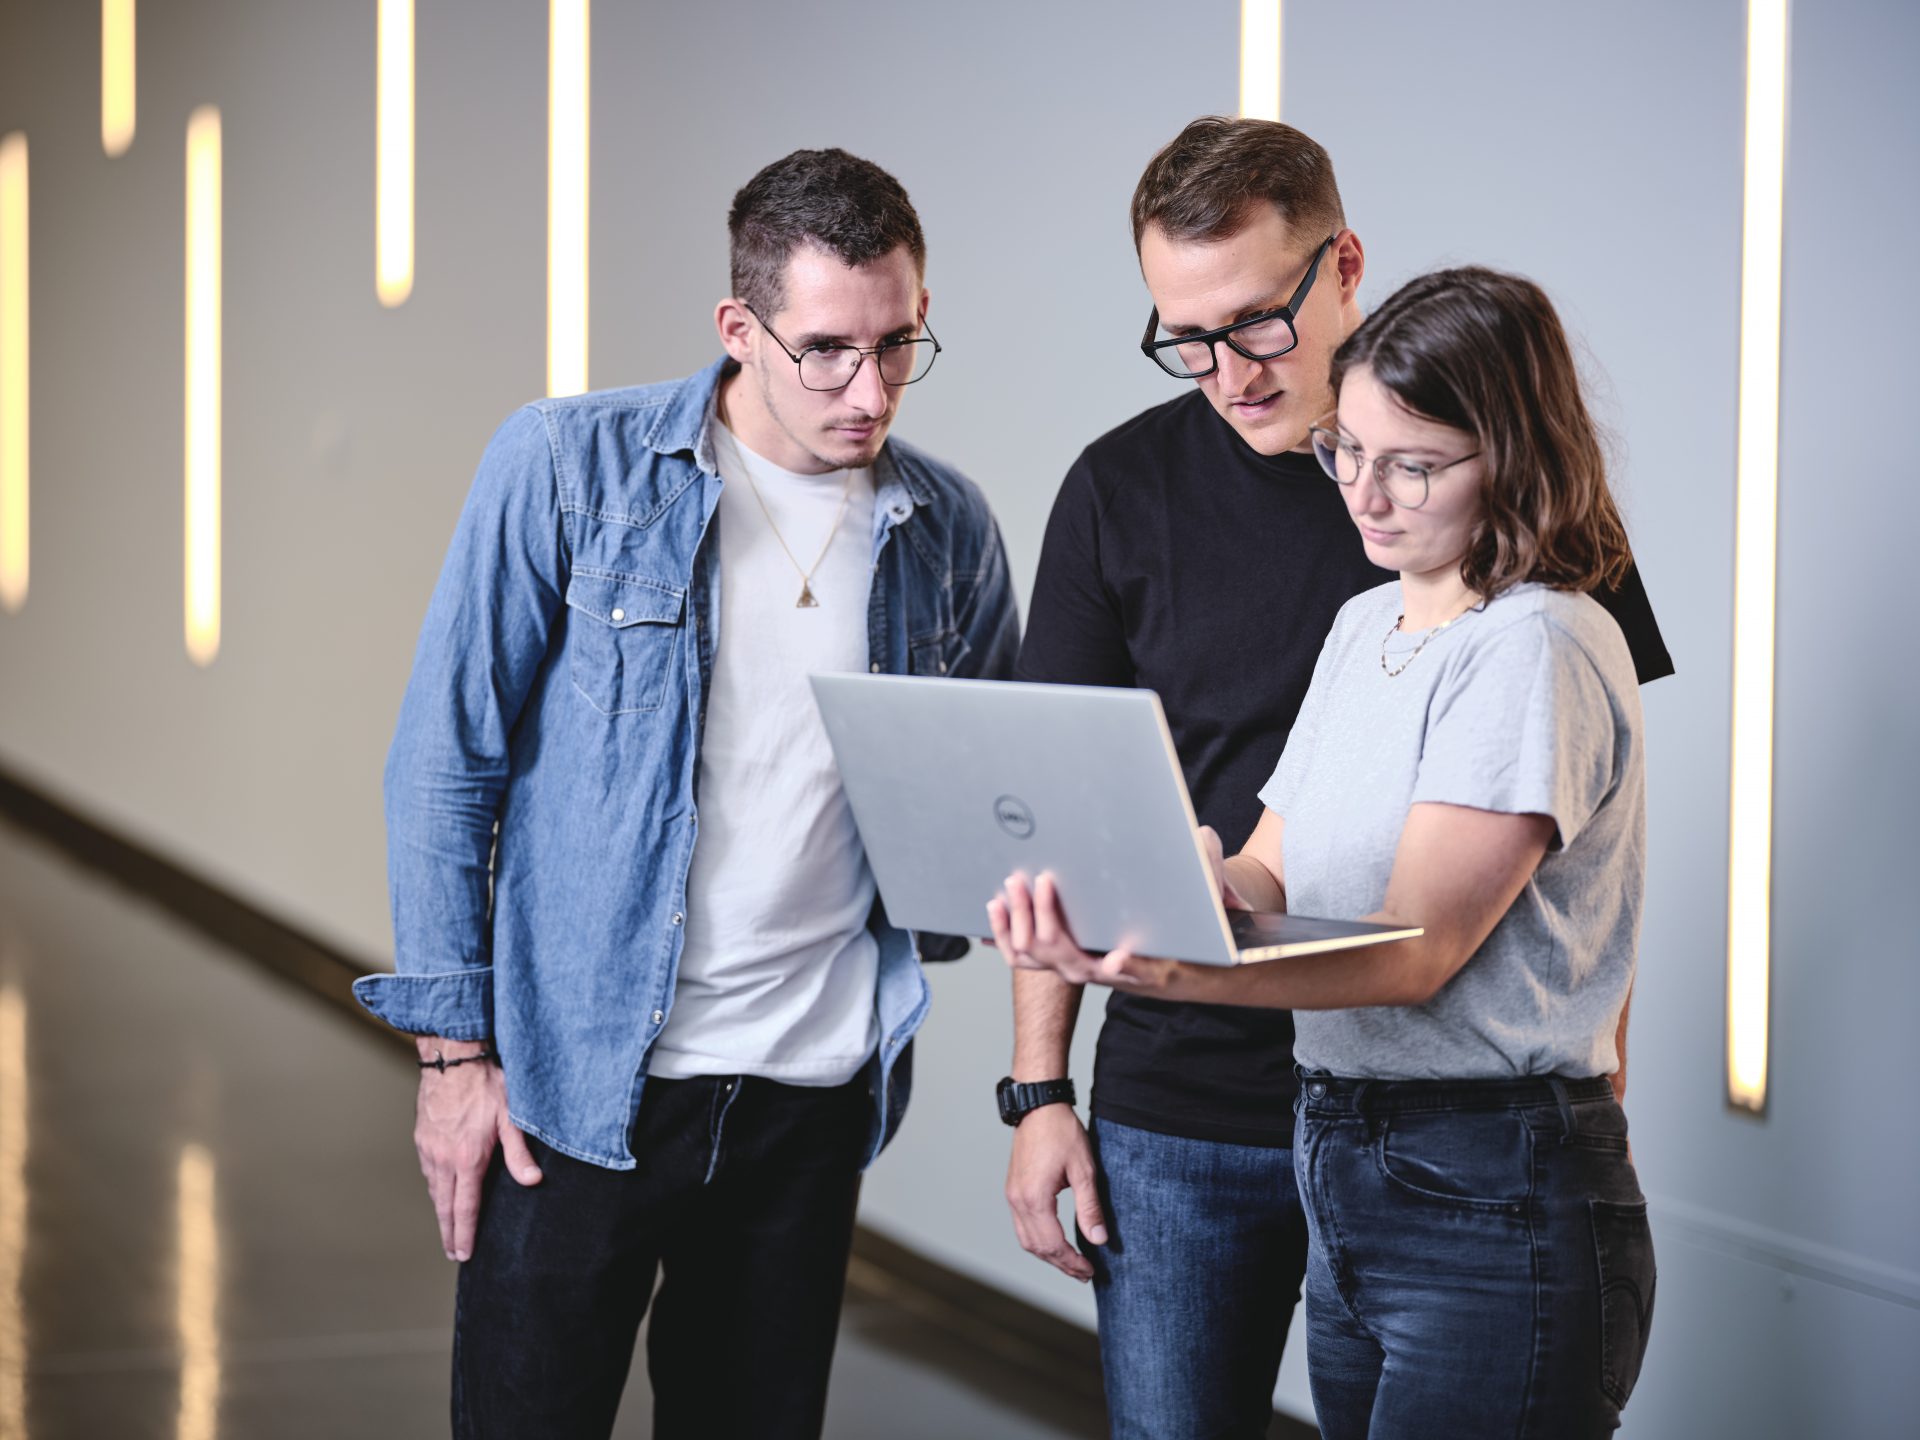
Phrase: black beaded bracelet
(442, 1064)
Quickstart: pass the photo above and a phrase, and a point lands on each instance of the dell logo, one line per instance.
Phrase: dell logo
(1014, 816)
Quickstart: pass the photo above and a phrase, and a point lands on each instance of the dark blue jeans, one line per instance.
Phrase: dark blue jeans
(1196, 1284)
(743, 1200)
(1481, 1263)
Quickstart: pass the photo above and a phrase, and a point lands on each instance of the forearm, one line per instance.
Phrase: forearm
(1619, 1076)
(1256, 883)
(1045, 1008)
(1406, 972)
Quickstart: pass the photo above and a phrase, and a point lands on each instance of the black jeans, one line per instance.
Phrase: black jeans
(743, 1199)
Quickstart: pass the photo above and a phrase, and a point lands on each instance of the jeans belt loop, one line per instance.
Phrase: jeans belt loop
(1567, 1123)
(1360, 1099)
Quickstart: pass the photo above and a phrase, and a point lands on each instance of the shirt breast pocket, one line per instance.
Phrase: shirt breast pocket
(623, 639)
(941, 654)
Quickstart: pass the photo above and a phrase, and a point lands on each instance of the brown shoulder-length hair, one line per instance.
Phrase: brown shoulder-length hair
(1484, 352)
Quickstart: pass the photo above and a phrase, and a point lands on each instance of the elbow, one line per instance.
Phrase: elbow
(1429, 971)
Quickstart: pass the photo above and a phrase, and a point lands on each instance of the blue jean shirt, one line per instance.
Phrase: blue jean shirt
(540, 796)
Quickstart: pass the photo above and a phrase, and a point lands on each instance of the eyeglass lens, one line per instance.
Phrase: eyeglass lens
(833, 367)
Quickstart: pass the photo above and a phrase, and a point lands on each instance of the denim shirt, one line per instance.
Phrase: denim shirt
(559, 697)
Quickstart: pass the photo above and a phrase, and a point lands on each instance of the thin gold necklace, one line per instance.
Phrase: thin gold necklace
(1394, 628)
(806, 600)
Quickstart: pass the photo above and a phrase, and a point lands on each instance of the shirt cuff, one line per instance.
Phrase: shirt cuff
(456, 1004)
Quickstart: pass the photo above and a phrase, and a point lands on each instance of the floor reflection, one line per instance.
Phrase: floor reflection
(13, 1212)
(199, 1298)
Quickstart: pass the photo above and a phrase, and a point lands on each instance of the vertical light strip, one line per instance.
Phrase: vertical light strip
(203, 385)
(14, 411)
(116, 76)
(1756, 526)
(13, 1212)
(393, 162)
(568, 62)
(1260, 59)
(199, 1316)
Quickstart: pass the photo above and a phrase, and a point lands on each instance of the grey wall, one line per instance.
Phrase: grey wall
(1596, 148)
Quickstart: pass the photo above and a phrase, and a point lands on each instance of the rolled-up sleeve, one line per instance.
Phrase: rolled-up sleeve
(486, 634)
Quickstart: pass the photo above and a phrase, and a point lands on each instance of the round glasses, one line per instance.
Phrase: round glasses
(832, 366)
(1404, 482)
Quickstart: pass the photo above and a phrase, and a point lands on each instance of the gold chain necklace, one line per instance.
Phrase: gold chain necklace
(1394, 628)
(806, 600)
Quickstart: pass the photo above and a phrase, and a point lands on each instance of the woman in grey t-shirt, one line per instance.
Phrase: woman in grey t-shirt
(1468, 759)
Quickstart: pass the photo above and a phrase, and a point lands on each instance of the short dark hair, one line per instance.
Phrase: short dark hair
(1484, 352)
(847, 206)
(1204, 183)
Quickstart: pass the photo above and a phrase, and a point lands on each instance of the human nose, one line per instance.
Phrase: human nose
(1366, 496)
(1238, 375)
(867, 392)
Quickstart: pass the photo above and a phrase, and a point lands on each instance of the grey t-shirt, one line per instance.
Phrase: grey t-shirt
(1528, 706)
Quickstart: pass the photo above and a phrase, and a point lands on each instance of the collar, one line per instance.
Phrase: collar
(685, 425)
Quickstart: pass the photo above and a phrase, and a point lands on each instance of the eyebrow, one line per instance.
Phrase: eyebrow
(1245, 312)
(1407, 452)
(812, 338)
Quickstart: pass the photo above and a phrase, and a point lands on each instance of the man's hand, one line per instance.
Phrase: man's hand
(1050, 1153)
(459, 1117)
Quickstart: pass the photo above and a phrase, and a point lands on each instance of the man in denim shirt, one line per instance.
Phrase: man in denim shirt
(662, 1019)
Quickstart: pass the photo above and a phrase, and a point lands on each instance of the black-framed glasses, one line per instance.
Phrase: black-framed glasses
(832, 365)
(1398, 477)
(1266, 336)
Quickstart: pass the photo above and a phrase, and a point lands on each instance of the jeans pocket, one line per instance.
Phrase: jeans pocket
(623, 639)
(1623, 1249)
(1480, 1159)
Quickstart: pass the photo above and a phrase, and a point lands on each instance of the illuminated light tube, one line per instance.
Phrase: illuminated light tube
(199, 1295)
(1260, 59)
(1756, 528)
(13, 371)
(116, 76)
(393, 160)
(568, 65)
(13, 1212)
(203, 385)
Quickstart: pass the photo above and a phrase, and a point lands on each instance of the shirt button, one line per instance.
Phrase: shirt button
(658, 1016)
(619, 614)
(875, 667)
(678, 917)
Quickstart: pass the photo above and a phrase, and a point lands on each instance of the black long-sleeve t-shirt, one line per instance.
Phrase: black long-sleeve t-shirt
(1180, 560)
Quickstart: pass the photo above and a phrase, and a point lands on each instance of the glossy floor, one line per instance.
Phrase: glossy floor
(211, 1224)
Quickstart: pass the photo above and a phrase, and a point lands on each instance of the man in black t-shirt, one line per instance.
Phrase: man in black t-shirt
(1198, 550)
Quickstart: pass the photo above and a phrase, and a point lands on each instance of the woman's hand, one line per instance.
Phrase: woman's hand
(1217, 859)
(1033, 934)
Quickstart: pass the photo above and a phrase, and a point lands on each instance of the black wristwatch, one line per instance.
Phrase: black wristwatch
(1018, 1099)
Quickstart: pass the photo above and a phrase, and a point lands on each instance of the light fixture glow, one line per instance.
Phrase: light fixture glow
(1260, 59)
(568, 65)
(116, 75)
(198, 1318)
(1756, 526)
(393, 162)
(13, 371)
(203, 385)
(13, 1211)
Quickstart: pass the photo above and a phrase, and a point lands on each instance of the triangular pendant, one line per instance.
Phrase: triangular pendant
(806, 600)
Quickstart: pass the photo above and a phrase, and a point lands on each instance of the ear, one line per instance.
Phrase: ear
(926, 298)
(1350, 264)
(735, 323)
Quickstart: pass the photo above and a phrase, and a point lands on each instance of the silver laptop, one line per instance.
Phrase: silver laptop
(955, 784)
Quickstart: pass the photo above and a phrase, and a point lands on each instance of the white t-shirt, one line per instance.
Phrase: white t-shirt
(778, 973)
